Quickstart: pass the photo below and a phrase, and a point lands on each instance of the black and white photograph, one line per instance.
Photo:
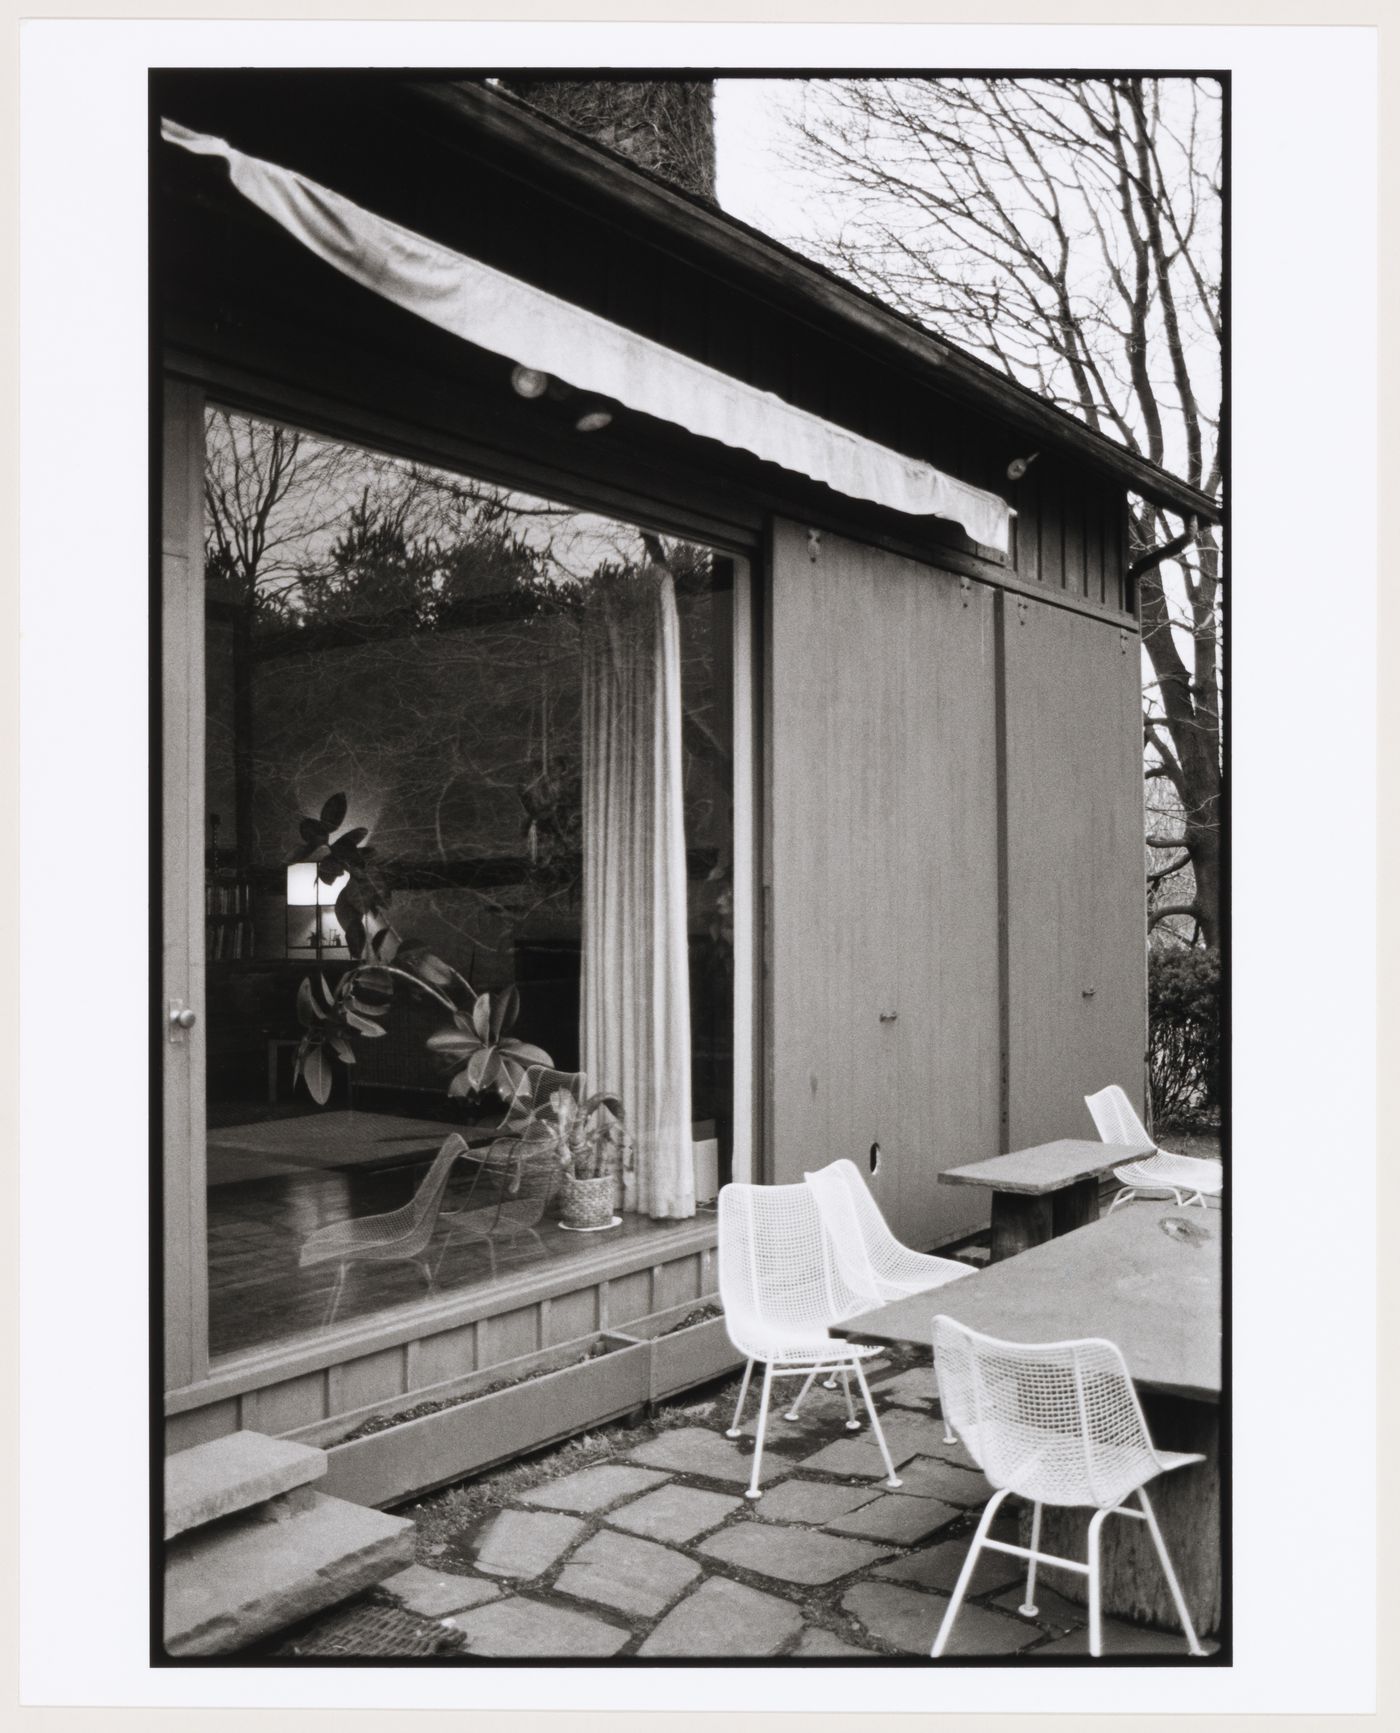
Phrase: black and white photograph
(693, 895)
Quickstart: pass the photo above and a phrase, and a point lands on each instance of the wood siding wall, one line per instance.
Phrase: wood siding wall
(956, 838)
(884, 991)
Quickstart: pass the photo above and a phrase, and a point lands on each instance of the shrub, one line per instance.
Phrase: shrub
(1183, 1021)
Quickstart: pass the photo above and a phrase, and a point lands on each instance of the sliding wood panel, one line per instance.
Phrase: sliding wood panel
(1076, 926)
(883, 988)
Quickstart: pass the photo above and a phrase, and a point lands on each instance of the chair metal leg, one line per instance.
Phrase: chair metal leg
(1096, 1522)
(945, 1629)
(792, 1413)
(1123, 1197)
(949, 1436)
(1029, 1608)
(733, 1431)
(753, 1491)
(859, 1371)
(852, 1424)
(1178, 1599)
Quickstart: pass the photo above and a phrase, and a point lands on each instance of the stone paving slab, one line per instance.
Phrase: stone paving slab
(433, 1594)
(811, 1501)
(522, 1543)
(815, 1641)
(725, 1618)
(911, 1389)
(1121, 1639)
(1053, 1610)
(593, 1488)
(930, 1477)
(903, 1520)
(937, 1567)
(676, 1513)
(709, 1455)
(524, 1629)
(861, 1455)
(908, 1620)
(634, 1576)
(793, 1555)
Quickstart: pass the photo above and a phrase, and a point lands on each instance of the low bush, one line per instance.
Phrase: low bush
(1184, 1046)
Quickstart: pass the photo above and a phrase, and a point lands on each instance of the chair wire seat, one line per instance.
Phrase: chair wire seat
(871, 1259)
(781, 1288)
(1054, 1423)
(1159, 1173)
(399, 1235)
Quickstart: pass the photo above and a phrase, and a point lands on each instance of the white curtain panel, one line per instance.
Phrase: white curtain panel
(635, 1009)
(498, 312)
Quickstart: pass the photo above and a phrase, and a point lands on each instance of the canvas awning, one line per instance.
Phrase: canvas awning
(538, 330)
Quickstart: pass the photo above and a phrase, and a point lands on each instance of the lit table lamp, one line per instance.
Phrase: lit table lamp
(307, 890)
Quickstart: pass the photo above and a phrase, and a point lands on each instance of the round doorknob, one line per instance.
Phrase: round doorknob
(182, 1017)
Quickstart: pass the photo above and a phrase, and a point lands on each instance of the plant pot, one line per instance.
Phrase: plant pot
(587, 1203)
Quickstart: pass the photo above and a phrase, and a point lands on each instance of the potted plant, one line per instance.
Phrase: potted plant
(586, 1136)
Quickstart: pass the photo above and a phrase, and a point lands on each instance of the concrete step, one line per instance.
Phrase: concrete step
(232, 1474)
(228, 1584)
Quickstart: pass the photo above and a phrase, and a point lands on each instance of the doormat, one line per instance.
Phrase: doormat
(373, 1629)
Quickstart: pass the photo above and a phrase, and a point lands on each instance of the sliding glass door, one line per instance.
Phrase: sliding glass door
(457, 769)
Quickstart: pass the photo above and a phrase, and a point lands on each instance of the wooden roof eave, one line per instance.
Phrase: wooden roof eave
(694, 228)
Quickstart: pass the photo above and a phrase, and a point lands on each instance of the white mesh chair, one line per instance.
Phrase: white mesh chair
(781, 1288)
(1158, 1174)
(871, 1260)
(1055, 1423)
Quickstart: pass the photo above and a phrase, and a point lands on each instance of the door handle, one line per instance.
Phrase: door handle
(180, 1017)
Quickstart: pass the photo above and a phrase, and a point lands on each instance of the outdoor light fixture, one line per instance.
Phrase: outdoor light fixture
(529, 381)
(307, 890)
(593, 416)
(1019, 465)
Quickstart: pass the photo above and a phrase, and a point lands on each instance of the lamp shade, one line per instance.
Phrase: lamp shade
(305, 889)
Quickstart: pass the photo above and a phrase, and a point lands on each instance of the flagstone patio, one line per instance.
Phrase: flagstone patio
(638, 1543)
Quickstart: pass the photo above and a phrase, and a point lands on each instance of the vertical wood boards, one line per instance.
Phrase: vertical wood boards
(883, 996)
(1076, 923)
(182, 771)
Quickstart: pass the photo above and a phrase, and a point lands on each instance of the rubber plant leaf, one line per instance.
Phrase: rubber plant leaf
(333, 812)
(307, 1009)
(458, 1042)
(525, 1050)
(504, 1011)
(481, 1017)
(433, 970)
(317, 1071)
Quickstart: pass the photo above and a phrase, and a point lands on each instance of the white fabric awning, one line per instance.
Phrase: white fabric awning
(498, 312)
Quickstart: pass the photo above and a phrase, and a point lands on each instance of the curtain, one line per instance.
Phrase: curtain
(635, 995)
(485, 306)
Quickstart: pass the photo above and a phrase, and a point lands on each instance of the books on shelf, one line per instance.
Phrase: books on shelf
(228, 918)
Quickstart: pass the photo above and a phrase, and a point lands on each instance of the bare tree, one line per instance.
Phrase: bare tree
(1070, 231)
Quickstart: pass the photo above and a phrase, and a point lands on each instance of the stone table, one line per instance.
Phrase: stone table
(1041, 1192)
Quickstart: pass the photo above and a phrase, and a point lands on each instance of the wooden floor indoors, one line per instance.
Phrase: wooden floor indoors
(274, 1183)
